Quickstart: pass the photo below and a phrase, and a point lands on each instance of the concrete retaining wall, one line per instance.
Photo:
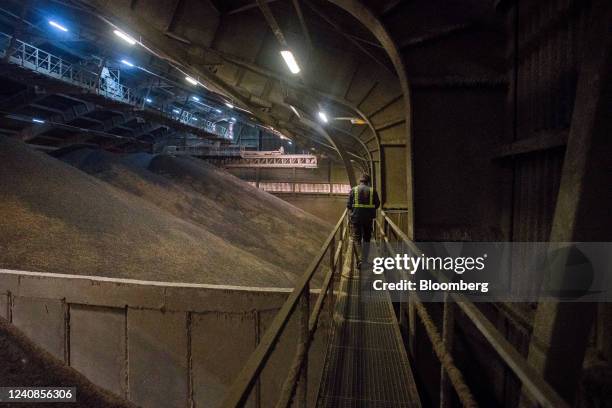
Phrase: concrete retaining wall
(158, 344)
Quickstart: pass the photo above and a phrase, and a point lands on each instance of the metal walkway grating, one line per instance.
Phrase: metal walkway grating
(366, 364)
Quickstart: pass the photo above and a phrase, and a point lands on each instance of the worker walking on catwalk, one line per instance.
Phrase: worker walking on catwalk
(362, 204)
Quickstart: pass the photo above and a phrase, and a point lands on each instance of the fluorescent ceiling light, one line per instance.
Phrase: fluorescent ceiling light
(58, 26)
(295, 111)
(289, 142)
(125, 37)
(323, 116)
(196, 119)
(290, 61)
(233, 119)
(176, 111)
(128, 63)
(148, 100)
(229, 105)
(195, 98)
(35, 120)
(218, 110)
(191, 80)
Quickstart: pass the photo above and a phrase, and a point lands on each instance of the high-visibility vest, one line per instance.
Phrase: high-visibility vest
(356, 198)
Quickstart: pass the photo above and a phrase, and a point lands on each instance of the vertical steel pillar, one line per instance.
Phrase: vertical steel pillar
(448, 334)
(330, 295)
(303, 341)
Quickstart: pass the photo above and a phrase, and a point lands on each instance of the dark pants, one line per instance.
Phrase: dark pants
(362, 233)
(362, 230)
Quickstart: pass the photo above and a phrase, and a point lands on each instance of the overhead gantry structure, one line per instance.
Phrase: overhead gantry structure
(350, 69)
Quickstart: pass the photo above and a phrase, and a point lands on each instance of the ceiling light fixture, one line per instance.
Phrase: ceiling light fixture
(128, 63)
(125, 37)
(35, 120)
(229, 105)
(323, 117)
(195, 98)
(58, 26)
(191, 80)
(290, 61)
(295, 111)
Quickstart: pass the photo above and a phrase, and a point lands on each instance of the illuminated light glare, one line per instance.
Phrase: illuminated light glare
(128, 63)
(191, 80)
(35, 120)
(233, 119)
(323, 117)
(290, 61)
(176, 111)
(218, 110)
(289, 142)
(58, 26)
(196, 119)
(195, 98)
(295, 111)
(229, 105)
(125, 37)
(148, 100)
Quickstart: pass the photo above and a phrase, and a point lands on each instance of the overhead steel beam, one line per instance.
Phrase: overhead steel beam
(22, 99)
(435, 35)
(274, 26)
(390, 6)
(305, 31)
(178, 4)
(53, 122)
(247, 7)
(146, 129)
(17, 30)
(46, 108)
(350, 38)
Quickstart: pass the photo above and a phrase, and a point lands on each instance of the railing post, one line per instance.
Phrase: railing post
(303, 341)
(448, 334)
(330, 294)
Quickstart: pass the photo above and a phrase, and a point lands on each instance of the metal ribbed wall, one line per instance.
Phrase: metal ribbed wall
(549, 40)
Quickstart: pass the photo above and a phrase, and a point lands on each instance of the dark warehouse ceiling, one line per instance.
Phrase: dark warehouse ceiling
(349, 53)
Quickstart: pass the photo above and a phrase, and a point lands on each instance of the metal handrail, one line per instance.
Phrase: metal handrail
(533, 382)
(240, 390)
(38, 60)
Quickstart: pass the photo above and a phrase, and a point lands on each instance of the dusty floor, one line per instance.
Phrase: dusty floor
(182, 221)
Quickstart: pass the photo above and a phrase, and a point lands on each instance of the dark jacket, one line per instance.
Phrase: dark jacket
(364, 209)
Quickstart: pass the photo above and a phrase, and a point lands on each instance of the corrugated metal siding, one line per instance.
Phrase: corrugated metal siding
(549, 40)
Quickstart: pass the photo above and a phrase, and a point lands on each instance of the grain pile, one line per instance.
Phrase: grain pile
(127, 222)
(222, 204)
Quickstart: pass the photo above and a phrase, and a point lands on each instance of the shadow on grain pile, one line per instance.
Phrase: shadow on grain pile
(215, 200)
(56, 218)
